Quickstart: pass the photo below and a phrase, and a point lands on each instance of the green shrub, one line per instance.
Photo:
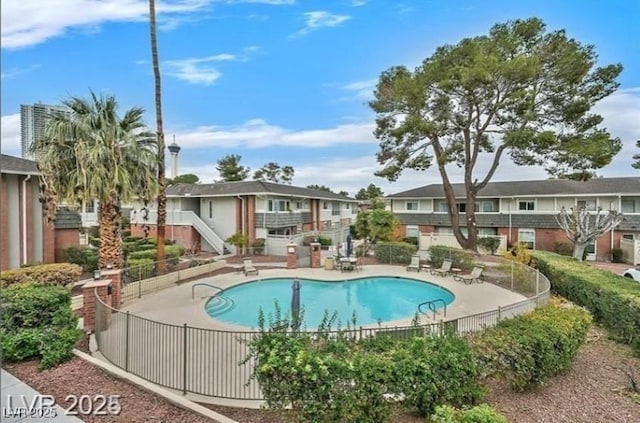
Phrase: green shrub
(75, 255)
(613, 300)
(92, 260)
(437, 370)
(94, 241)
(132, 238)
(530, 348)
(238, 240)
(37, 322)
(617, 255)
(563, 248)
(45, 274)
(259, 246)
(489, 243)
(411, 240)
(325, 240)
(171, 252)
(482, 413)
(462, 259)
(141, 268)
(394, 252)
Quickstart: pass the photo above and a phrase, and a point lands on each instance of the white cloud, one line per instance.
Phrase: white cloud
(29, 22)
(197, 70)
(12, 73)
(358, 3)
(320, 19)
(10, 135)
(257, 133)
(359, 90)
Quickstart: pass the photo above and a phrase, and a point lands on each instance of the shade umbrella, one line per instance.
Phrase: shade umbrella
(349, 245)
(295, 305)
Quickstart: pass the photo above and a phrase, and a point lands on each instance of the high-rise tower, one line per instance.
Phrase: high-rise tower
(33, 120)
(174, 149)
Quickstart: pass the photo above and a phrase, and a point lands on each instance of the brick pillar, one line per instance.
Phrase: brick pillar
(292, 256)
(89, 306)
(316, 254)
(115, 275)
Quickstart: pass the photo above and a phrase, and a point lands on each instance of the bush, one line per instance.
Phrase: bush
(141, 268)
(171, 252)
(259, 246)
(563, 248)
(462, 259)
(394, 252)
(435, 371)
(44, 274)
(489, 243)
(37, 322)
(613, 300)
(132, 238)
(482, 413)
(617, 255)
(530, 348)
(411, 240)
(75, 255)
(519, 253)
(238, 240)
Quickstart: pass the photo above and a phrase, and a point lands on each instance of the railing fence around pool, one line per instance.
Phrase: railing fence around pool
(209, 362)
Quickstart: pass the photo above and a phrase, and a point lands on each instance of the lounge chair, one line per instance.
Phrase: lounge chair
(248, 266)
(415, 264)
(445, 269)
(475, 275)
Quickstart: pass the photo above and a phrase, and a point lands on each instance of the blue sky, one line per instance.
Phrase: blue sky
(282, 80)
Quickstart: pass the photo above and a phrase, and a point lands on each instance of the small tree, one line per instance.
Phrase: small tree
(369, 193)
(187, 178)
(238, 240)
(636, 157)
(231, 170)
(273, 172)
(582, 227)
(377, 224)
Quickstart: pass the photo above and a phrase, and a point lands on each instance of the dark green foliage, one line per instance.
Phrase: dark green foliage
(531, 348)
(617, 255)
(489, 243)
(394, 252)
(273, 172)
(411, 240)
(37, 322)
(171, 251)
(613, 300)
(337, 379)
(230, 169)
(462, 259)
(563, 248)
(482, 413)
(45, 274)
(258, 246)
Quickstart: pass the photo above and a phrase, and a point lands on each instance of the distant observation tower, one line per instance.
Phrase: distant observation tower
(174, 149)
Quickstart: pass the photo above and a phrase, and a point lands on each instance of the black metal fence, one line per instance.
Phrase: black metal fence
(211, 362)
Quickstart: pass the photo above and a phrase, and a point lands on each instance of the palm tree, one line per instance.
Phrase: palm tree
(162, 183)
(95, 154)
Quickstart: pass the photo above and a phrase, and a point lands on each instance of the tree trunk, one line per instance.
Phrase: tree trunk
(578, 250)
(110, 253)
(162, 197)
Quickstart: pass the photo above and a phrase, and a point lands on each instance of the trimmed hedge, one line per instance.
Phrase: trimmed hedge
(613, 300)
(394, 252)
(530, 348)
(44, 274)
(171, 251)
(37, 322)
(462, 259)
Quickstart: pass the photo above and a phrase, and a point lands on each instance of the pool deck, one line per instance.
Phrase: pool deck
(175, 305)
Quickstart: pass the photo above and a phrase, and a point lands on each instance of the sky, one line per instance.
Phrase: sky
(285, 81)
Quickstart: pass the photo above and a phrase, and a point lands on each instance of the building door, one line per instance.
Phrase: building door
(590, 251)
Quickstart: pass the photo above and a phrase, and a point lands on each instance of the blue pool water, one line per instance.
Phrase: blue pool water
(373, 299)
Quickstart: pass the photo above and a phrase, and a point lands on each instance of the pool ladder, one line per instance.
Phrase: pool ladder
(431, 304)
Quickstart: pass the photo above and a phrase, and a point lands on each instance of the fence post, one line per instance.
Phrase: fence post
(184, 360)
(512, 264)
(499, 313)
(537, 282)
(139, 288)
(441, 327)
(126, 345)
(360, 332)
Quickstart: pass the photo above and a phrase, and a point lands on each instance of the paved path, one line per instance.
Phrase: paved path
(18, 398)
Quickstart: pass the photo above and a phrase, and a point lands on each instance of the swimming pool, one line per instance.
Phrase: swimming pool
(374, 299)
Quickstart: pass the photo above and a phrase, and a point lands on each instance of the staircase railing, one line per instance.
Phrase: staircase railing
(431, 304)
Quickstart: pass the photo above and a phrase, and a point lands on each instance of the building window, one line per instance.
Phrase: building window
(462, 207)
(627, 236)
(325, 205)
(278, 205)
(528, 237)
(442, 207)
(412, 205)
(589, 205)
(485, 207)
(528, 205)
(89, 206)
(628, 206)
(335, 209)
(210, 209)
(487, 231)
(413, 231)
(299, 205)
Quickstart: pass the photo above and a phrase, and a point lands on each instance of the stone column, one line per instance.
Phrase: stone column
(115, 276)
(316, 254)
(89, 305)
(292, 256)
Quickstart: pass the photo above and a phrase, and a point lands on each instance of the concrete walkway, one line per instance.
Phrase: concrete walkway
(22, 403)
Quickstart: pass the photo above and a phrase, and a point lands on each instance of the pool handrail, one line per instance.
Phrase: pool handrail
(205, 284)
(432, 306)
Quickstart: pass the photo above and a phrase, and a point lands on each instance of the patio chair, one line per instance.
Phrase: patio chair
(445, 269)
(248, 266)
(475, 275)
(415, 264)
